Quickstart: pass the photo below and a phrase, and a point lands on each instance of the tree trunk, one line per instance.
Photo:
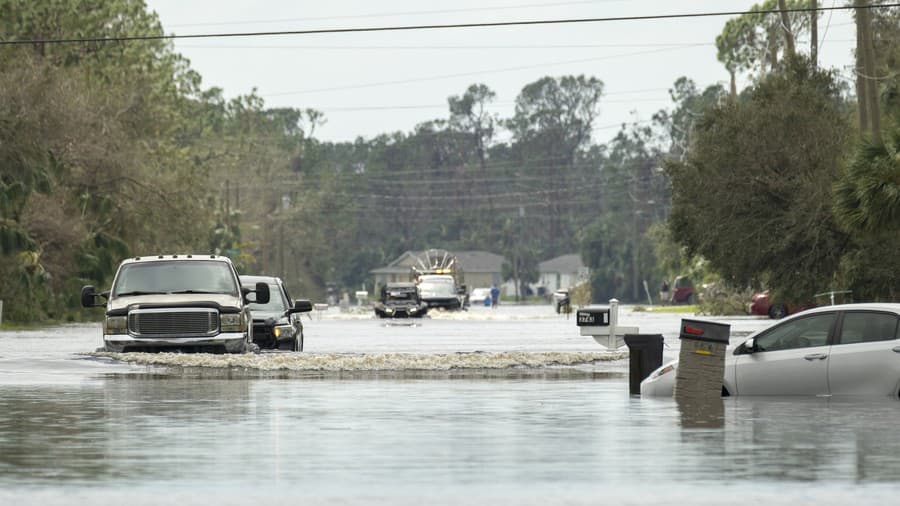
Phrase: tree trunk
(862, 101)
(814, 33)
(865, 16)
(790, 51)
(733, 86)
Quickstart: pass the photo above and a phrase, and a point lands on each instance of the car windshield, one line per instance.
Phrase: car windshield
(437, 289)
(176, 276)
(400, 294)
(276, 299)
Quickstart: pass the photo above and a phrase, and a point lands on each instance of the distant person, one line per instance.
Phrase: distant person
(495, 296)
(664, 292)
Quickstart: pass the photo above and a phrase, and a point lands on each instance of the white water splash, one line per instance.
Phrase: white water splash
(367, 362)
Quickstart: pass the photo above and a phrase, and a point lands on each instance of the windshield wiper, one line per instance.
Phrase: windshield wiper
(139, 292)
(193, 291)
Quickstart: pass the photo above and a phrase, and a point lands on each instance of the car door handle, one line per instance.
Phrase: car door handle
(818, 356)
(896, 349)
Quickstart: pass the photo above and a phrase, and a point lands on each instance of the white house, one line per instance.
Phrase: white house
(562, 272)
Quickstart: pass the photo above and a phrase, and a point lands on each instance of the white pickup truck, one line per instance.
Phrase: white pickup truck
(177, 302)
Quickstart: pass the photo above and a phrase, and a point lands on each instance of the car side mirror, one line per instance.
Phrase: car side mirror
(750, 346)
(301, 306)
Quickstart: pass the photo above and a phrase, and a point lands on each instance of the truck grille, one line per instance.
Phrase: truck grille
(198, 322)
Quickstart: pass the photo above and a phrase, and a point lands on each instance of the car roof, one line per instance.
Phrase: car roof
(187, 258)
(892, 307)
(872, 306)
(400, 285)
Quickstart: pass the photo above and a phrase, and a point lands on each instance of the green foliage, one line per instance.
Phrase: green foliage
(754, 195)
(867, 196)
(754, 42)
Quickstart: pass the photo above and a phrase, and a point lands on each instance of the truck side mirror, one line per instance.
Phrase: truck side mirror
(89, 297)
(262, 293)
(301, 306)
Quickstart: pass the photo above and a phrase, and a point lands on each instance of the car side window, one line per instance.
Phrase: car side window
(799, 333)
(867, 327)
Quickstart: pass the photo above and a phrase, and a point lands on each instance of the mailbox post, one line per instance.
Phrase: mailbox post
(701, 362)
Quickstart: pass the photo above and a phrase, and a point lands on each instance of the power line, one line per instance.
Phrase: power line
(652, 17)
(446, 47)
(467, 74)
(377, 108)
(391, 14)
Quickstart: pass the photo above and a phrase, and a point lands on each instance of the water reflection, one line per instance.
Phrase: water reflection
(701, 412)
(407, 435)
(52, 434)
(799, 438)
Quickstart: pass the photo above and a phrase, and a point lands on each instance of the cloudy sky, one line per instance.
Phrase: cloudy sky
(373, 83)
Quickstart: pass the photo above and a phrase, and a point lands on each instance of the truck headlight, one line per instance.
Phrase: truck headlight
(413, 309)
(388, 310)
(231, 322)
(115, 325)
(283, 331)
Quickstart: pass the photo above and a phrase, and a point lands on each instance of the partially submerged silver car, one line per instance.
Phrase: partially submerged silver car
(850, 349)
(177, 302)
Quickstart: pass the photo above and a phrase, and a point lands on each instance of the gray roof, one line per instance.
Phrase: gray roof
(562, 264)
(469, 261)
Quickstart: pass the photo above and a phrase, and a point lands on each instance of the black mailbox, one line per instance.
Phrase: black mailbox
(597, 316)
(699, 330)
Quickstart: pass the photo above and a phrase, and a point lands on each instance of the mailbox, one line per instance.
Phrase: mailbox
(602, 323)
(699, 330)
(593, 316)
(701, 361)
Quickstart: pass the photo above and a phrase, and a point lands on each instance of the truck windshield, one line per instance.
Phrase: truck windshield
(189, 276)
(276, 302)
(437, 289)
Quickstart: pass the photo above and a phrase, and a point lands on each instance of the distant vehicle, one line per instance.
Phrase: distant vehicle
(440, 291)
(849, 349)
(438, 275)
(276, 324)
(683, 290)
(177, 302)
(760, 304)
(400, 300)
(480, 296)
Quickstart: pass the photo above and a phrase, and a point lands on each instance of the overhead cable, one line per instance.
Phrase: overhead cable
(651, 17)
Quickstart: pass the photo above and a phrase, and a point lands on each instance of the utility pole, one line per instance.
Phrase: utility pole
(281, 248)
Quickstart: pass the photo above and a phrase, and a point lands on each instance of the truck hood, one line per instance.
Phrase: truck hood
(220, 301)
(278, 316)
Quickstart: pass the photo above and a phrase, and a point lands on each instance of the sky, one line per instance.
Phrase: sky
(369, 84)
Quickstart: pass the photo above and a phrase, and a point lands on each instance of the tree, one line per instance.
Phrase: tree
(753, 196)
(690, 105)
(753, 42)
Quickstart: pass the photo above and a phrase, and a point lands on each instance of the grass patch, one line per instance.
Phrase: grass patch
(678, 309)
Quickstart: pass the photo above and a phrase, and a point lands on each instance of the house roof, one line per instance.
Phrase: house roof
(563, 264)
(469, 261)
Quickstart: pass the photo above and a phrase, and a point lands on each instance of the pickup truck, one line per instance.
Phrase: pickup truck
(191, 303)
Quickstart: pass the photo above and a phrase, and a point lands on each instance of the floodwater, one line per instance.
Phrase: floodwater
(530, 413)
